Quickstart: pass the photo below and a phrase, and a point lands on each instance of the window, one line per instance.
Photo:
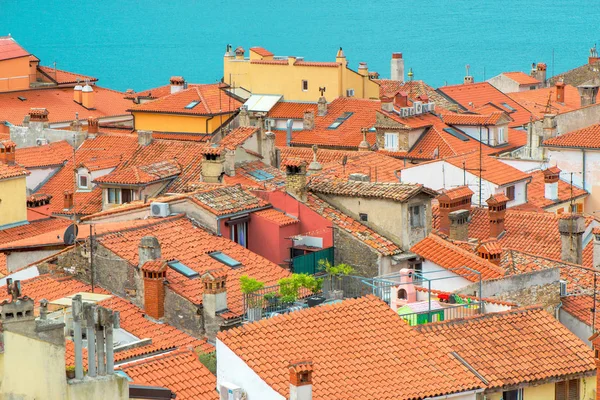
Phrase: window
(340, 120)
(304, 85)
(508, 107)
(225, 259)
(516, 394)
(510, 192)
(501, 138)
(579, 207)
(457, 134)
(416, 216)
(363, 217)
(183, 269)
(391, 141)
(239, 233)
(261, 175)
(114, 196)
(83, 181)
(567, 390)
(532, 87)
(126, 196)
(192, 104)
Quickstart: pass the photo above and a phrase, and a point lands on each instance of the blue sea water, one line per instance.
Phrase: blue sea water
(140, 44)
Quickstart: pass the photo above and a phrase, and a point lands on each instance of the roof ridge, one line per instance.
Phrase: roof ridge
(474, 256)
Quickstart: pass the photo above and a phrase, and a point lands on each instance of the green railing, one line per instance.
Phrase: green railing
(309, 263)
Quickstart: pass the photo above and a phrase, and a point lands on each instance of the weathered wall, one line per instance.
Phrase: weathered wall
(25, 136)
(580, 329)
(110, 387)
(504, 84)
(349, 250)
(19, 259)
(182, 314)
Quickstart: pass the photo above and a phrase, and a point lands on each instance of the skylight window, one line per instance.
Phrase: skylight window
(22, 98)
(225, 259)
(456, 134)
(340, 120)
(508, 107)
(183, 269)
(192, 104)
(261, 175)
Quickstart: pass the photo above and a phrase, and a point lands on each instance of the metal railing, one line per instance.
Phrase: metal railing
(450, 312)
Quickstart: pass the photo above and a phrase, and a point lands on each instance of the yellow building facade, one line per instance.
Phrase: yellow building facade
(159, 122)
(294, 78)
(547, 391)
(13, 187)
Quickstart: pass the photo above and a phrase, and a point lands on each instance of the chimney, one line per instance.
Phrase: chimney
(87, 97)
(593, 58)
(453, 200)
(92, 125)
(364, 144)
(244, 117)
(7, 152)
(401, 99)
(560, 92)
(397, 67)
(551, 178)
(538, 71)
(497, 211)
(239, 53)
(340, 57)
(177, 83)
(571, 228)
(596, 259)
(459, 225)
(363, 69)
(269, 150)
(588, 93)
(387, 103)
(322, 107)
(315, 166)
(468, 78)
(148, 250)
(144, 138)
(68, 200)
(213, 163)
(549, 126)
(308, 123)
(405, 292)
(155, 273)
(77, 93)
(288, 136)
(38, 115)
(490, 250)
(295, 178)
(301, 384)
(214, 300)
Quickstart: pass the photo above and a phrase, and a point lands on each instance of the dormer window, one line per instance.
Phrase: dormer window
(83, 181)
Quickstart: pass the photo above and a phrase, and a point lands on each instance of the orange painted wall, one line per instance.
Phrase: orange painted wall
(14, 74)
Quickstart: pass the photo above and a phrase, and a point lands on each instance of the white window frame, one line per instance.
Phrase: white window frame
(117, 195)
(87, 181)
(519, 394)
(501, 138)
(391, 141)
(420, 223)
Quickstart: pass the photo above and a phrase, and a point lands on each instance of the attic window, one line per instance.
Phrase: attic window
(183, 269)
(456, 134)
(340, 120)
(508, 107)
(261, 175)
(225, 259)
(192, 104)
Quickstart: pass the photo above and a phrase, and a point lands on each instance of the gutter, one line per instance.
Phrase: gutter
(222, 217)
(453, 395)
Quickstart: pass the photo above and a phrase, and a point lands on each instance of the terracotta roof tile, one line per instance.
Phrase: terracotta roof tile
(180, 371)
(61, 77)
(12, 171)
(377, 165)
(521, 78)
(9, 48)
(323, 155)
(385, 190)
(261, 51)
(375, 342)
(493, 170)
(457, 193)
(237, 137)
(33, 228)
(580, 306)
(145, 174)
(291, 110)
(414, 90)
(49, 155)
(536, 100)
(514, 347)
(276, 216)
(588, 137)
(472, 119)
(252, 174)
(228, 199)
(536, 191)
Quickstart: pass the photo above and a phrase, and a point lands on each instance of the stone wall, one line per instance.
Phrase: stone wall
(351, 251)
(26, 136)
(182, 314)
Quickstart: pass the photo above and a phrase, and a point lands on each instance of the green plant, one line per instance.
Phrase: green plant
(336, 272)
(70, 368)
(271, 295)
(250, 285)
(289, 286)
(288, 298)
(209, 360)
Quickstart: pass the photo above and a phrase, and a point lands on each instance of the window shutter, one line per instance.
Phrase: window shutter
(560, 391)
(573, 392)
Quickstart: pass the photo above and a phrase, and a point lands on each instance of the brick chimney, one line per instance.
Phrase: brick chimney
(38, 115)
(538, 71)
(453, 200)
(92, 125)
(497, 211)
(301, 383)
(551, 178)
(7, 152)
(459, 225)
(213, 164)
(490, 250)
(88, 97)
(397, 67)
(560, 92)
(322, 107)
(387, 103)
(571, 228)
(596, 259)
(401, 100)
(295, 178)
(68, 200)
(148, 250)
(144, 138)
(155, 273)
(177, 84)
(308, 122)
(214, 300)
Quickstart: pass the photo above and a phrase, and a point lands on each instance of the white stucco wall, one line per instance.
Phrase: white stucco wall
(37, 176)
(19, 259)
(504, 83)
(524, 165)
(26, 273)
(578, 328)
(451, 282)
(232, 369)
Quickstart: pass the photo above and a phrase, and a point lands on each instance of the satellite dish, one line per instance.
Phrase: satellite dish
(70, 234)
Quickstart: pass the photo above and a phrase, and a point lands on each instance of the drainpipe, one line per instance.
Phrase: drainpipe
(397, 175)
(208, 119)
(583, 168)
(557, 312)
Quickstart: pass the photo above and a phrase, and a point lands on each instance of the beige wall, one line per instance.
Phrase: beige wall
(13, 200)
(587, 391)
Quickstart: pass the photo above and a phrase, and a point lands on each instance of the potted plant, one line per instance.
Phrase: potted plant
(288, 289)
(272, 298)
(70, 370)
(315, 285)
(254, 302)
(336, 272)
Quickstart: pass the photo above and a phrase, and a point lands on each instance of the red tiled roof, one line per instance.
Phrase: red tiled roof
(458, 193)
(352, 227)
(493, 170)
(415, 90)
(451, 257)
(49, 155)
(98, 164)
(65, 77)
(536, 191)
(385, 190)
(269, 62)
(243, 175)
(377, 165)
(514, 347)
(536, 100)
(228, 200)
(472, 119)
(180, 371)
(12, 171)
(581, 307)
(60, 105)
(330, 64)
(183, 241)
(480, 94)
(276, 216)
(588, 137)
(9, 48)
(237, 137)
(521, 78)
(261, 52)
(33, 228)
(376, 345)
(212, 100)
(290, 109)
(142, 175)
(323, 155)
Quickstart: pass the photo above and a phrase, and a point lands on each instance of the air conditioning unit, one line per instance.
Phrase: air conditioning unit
(431, 107)
(350, 93)
(418, 107)
(159, 210)
(426, 107)
(229, 391)
(411, 111)
(41, 141)
(405, 112)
